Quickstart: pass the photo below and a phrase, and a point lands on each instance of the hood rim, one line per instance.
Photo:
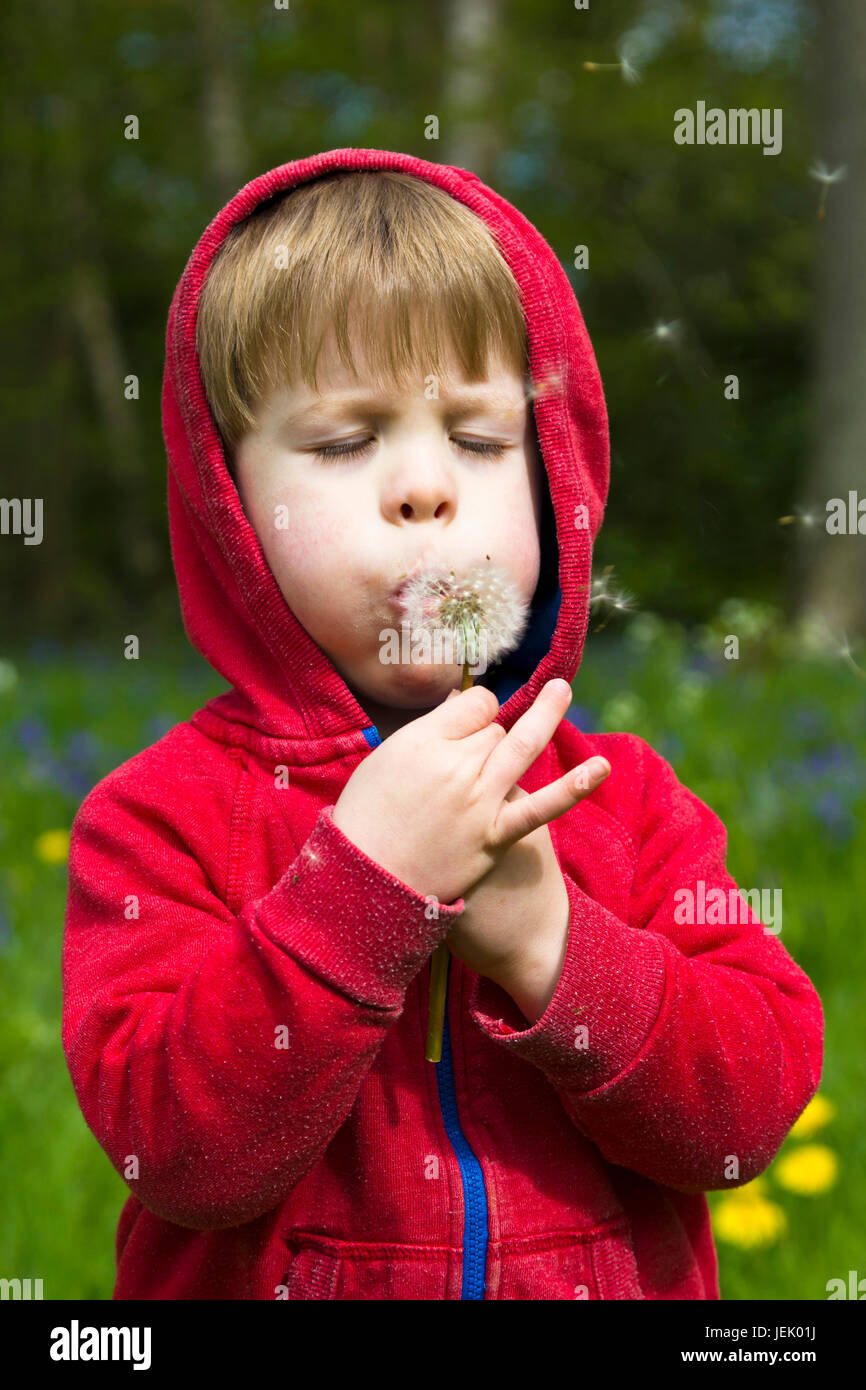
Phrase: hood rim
(556, 342)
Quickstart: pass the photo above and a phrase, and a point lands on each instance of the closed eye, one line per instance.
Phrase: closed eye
(479, 446)
(353, 448)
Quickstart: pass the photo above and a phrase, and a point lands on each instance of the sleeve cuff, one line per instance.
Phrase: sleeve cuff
(350, 921)
(604, 1007)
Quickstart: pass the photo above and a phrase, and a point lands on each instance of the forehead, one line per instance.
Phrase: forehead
(502, 387)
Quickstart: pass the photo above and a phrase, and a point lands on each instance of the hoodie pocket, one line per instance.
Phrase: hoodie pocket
(311, 1274)
(594, 1264)
(324, 1268)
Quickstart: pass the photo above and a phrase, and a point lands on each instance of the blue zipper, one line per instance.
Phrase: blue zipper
(474, 1191)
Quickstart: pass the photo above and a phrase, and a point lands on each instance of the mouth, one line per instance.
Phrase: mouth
(396, 595)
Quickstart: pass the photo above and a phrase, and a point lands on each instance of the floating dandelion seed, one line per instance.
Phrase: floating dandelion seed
(599, 590)
(806, 518)
(825, 177)
(667, 333)
(623, 601)
(626, 65)
(620, 600)
(817, 635)
(628, 51)
(543, 387)
(845, 653)
(482, 609)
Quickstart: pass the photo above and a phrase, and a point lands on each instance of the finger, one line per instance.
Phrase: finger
(529, 735)
(525, 814)
(515, 793)
(469, 711)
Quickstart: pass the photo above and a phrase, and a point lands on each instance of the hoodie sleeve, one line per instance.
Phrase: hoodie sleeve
(684, 1052)
(214, 1056)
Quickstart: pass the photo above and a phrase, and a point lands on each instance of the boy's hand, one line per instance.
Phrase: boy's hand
(514, 928)
(431, 804)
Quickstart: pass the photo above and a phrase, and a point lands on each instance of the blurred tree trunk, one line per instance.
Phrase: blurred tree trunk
(93, 314)
(831, 569)
(471, 138)
(225, 139)
(91, 309)
(77, 219)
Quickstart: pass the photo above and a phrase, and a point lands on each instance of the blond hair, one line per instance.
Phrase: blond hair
(417, 269)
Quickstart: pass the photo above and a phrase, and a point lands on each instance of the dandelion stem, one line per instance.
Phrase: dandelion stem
(439, 967)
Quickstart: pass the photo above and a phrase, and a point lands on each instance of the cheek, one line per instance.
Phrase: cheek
(310, 556)
(517, 531)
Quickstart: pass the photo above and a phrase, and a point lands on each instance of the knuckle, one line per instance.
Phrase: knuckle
(521, 745)
(487, 696)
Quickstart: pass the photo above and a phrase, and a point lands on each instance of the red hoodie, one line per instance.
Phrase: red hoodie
(245, 991)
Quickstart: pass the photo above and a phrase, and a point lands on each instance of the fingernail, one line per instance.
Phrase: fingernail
(598, 768)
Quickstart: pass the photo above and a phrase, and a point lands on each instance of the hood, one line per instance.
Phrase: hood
(283, 684)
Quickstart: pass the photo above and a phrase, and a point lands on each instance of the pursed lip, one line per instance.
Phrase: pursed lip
(395, 597)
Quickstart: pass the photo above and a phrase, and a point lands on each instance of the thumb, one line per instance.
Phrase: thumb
(450, 695)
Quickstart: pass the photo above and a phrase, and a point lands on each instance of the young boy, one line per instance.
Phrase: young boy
(374, 361)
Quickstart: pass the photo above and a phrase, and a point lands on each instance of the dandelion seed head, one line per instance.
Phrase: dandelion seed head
(482, 603)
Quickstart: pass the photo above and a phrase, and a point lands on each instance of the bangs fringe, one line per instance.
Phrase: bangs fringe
(403, 275)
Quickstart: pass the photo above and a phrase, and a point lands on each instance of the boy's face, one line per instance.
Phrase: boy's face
(339, 532)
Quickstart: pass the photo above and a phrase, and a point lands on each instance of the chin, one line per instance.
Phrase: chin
(416, 685)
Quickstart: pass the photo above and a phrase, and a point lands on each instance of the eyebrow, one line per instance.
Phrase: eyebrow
(460, 403)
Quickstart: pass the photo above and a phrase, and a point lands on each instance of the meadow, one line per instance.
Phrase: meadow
(774, 741)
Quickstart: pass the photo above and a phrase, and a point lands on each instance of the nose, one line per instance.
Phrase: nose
(420, 490)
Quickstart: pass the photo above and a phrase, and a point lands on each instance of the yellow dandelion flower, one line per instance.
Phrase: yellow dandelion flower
(52, 846)
(814, 1117)
(808, 1169)
(749, 1190)
(748, 1221)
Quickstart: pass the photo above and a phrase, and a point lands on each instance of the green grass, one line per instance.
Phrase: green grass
(774, 742)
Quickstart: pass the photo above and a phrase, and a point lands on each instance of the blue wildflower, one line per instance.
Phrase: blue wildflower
(835, 815)
(31, 733)
(582, 718)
